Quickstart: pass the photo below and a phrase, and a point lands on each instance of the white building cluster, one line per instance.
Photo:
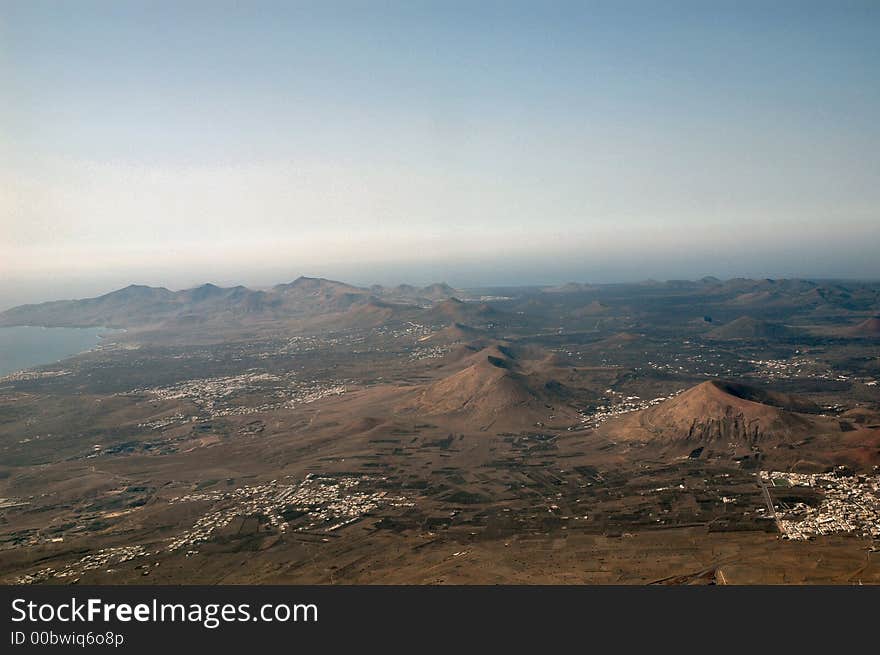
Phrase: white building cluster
(216, 397)
(429, 352)
(796, 367)
(100, 559)
(22, 376)
(620, 406)
(705, 360)
(851, 504)
(325, 504)
(407, 330)
(322, 504)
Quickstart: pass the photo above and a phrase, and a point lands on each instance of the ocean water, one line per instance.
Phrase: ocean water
(26, 347)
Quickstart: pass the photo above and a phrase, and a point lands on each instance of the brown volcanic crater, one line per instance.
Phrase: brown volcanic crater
(492, 385)
(764, 396)
(722, 413)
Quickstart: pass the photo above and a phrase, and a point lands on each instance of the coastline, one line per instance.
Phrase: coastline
(26, 347)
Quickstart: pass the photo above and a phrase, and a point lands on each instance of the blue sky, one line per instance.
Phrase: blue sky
(177, 142)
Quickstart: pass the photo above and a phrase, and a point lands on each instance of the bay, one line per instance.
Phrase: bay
(24, 347)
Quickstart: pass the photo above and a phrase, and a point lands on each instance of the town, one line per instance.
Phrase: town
(319, 503)
(850, 504)
(214, 396)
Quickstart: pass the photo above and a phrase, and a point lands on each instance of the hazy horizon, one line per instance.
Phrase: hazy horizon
(482, 144)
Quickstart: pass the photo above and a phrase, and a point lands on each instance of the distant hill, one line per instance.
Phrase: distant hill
(569, 287)
(746, 327)
(317, 295)
(437, 291)
(594, 308)
(869, 328)
(133, 304)
(798, 295)
(458, 311)
(614, 342)
(305, 297)
(364, 314)
(420, 295)
(456, 332)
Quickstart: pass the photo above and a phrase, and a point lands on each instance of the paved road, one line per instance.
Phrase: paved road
(769, 502)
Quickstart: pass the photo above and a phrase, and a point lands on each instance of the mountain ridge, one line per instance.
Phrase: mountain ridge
(139, 305)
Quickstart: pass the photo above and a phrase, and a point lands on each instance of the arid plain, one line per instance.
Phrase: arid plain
(681, 432)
